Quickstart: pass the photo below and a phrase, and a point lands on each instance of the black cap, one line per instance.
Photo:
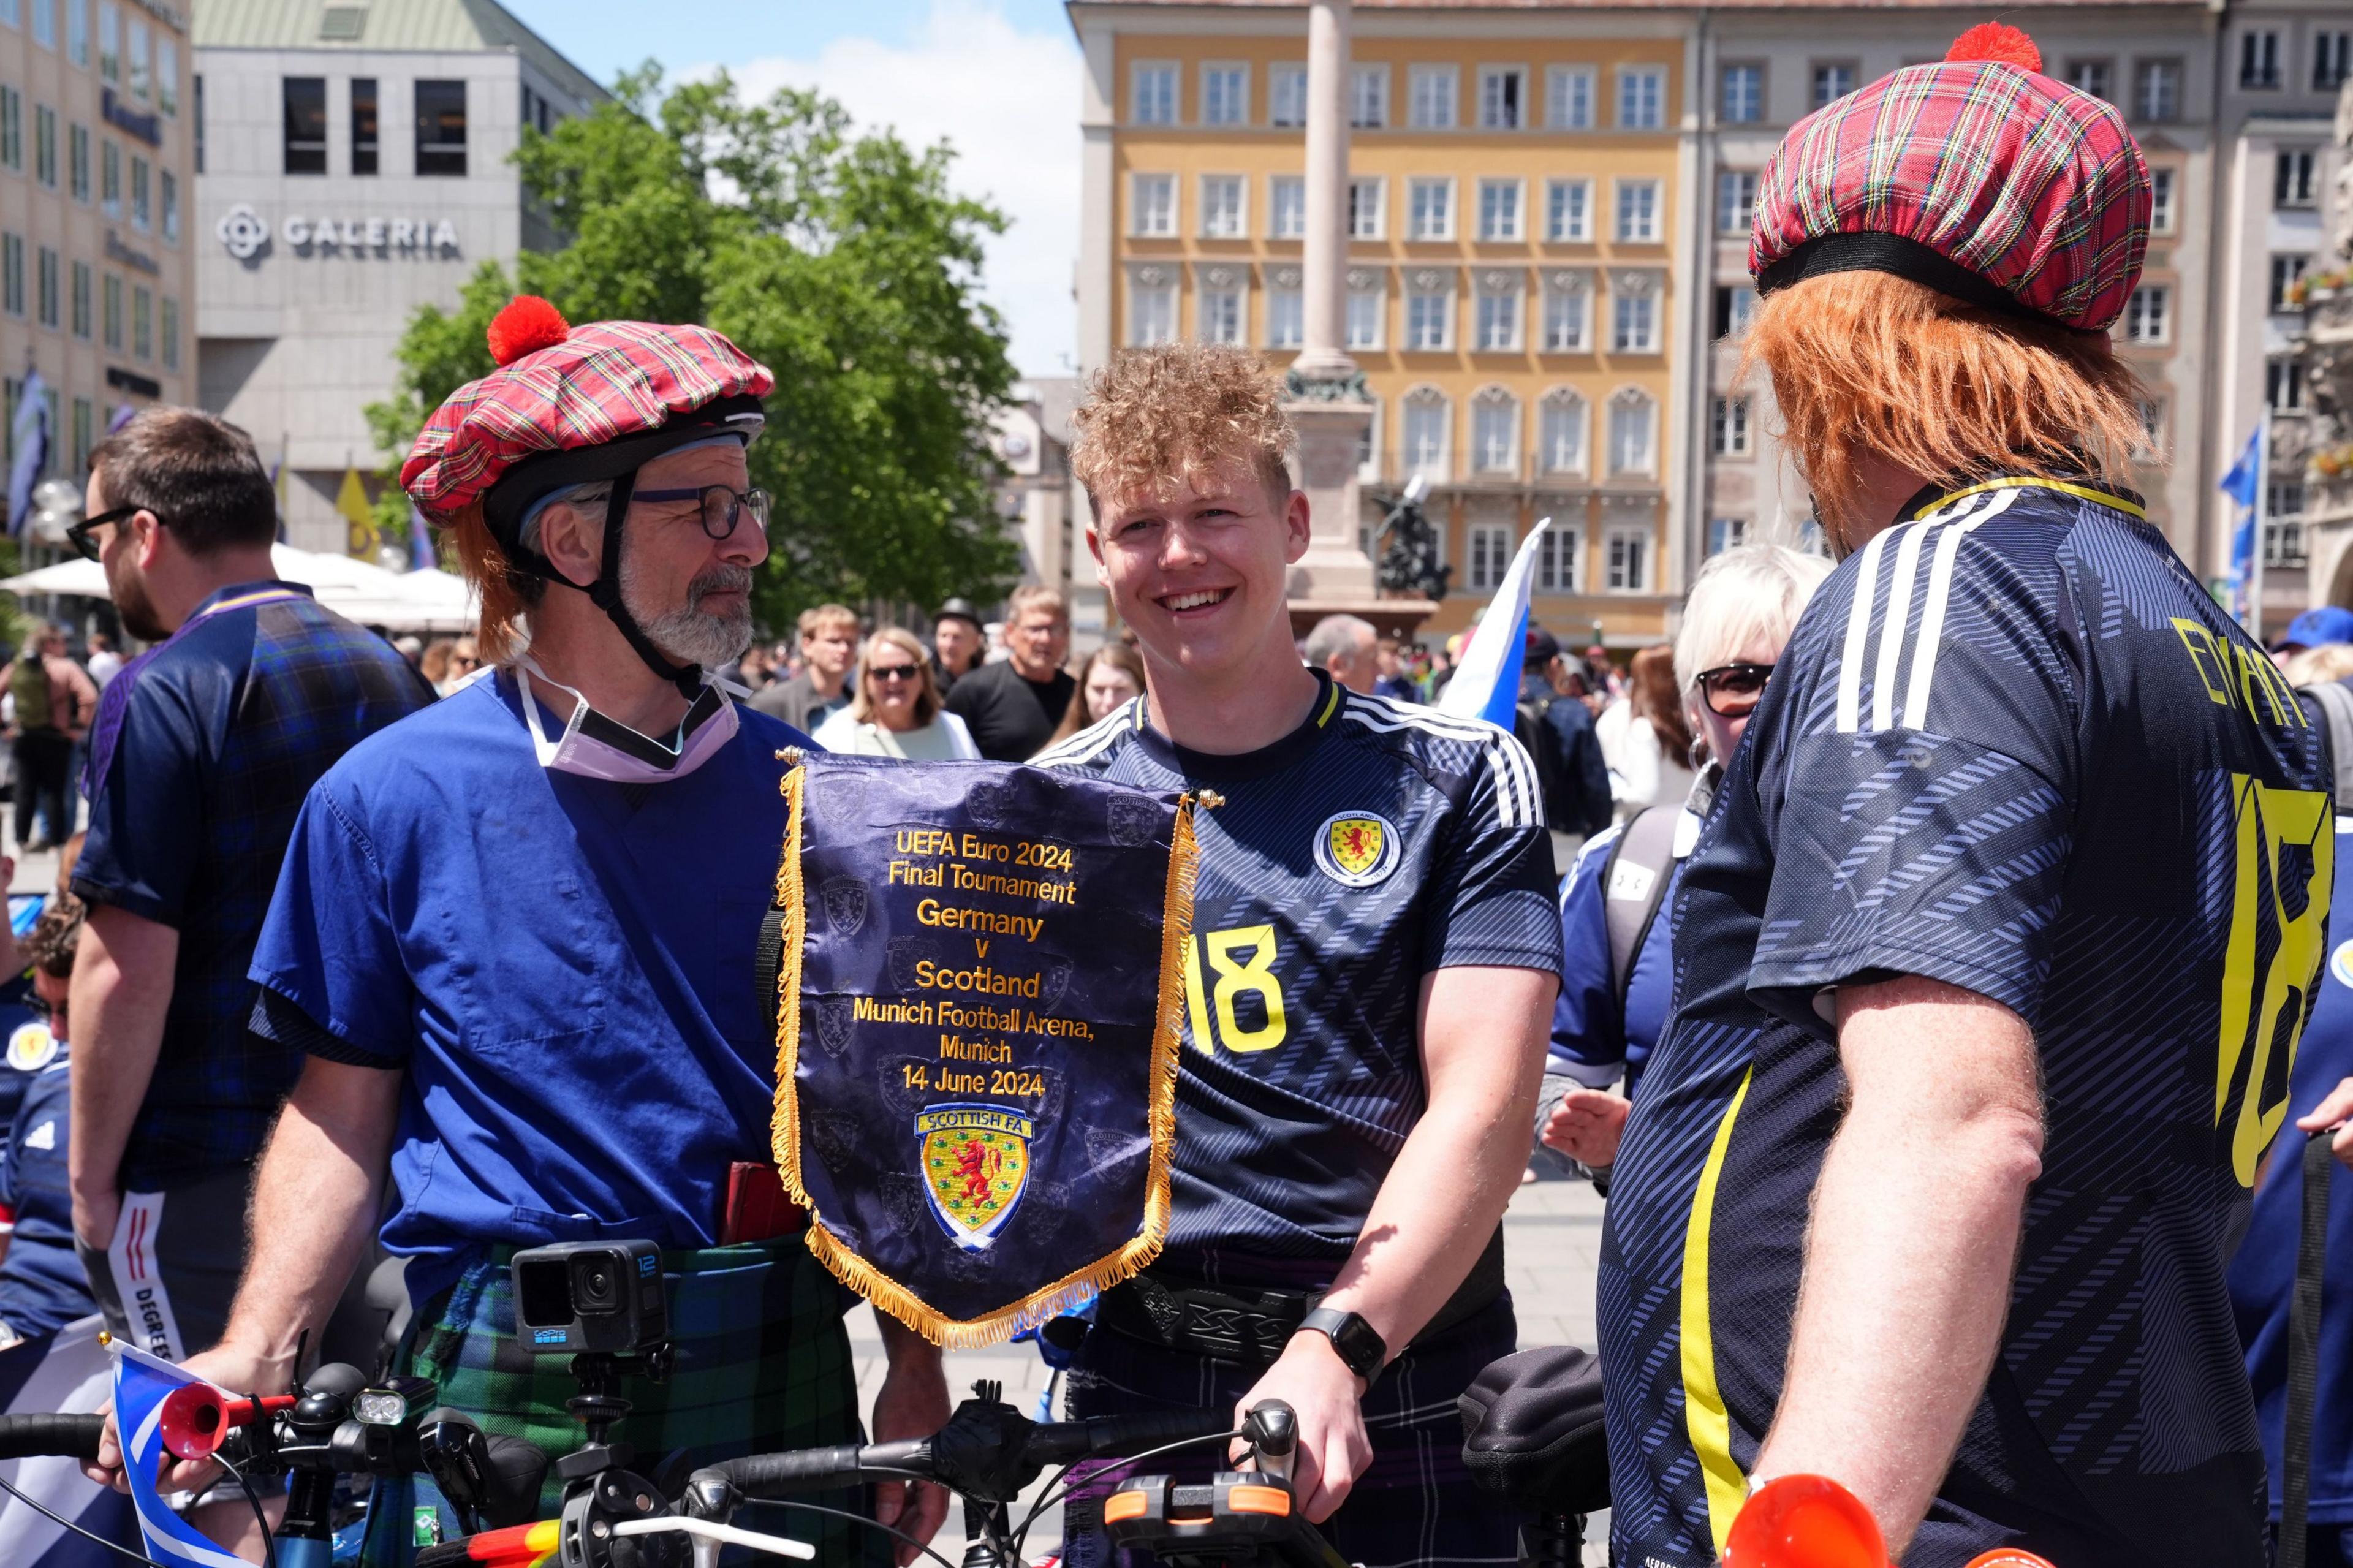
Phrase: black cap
(958, 610)
(1543, 648)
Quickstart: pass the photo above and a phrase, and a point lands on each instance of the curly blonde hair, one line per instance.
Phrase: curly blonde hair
(1177, 412)
(1864, 365)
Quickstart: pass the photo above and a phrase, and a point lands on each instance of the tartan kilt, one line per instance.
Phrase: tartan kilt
(762, 1363)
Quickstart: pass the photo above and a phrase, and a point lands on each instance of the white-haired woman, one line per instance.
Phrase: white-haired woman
(1615, 972)
(896, 712)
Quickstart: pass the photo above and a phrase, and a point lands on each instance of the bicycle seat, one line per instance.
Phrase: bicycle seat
(1532, 1431)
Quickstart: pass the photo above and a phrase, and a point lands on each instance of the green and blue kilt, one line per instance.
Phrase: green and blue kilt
(762, 1363)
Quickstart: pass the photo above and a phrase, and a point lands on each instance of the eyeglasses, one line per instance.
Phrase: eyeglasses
(78, 536)
(45, 1010)
(721, 504)
(895, 672)
(1733, 691)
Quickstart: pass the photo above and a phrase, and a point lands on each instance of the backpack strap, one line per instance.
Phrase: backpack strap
(2335, 701)
(1633, 884)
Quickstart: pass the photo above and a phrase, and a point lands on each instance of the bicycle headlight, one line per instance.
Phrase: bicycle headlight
(396, 1403)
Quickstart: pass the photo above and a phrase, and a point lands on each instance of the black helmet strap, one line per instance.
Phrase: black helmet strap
(605, 592)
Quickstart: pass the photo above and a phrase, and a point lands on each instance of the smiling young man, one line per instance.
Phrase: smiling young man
(1372, 968)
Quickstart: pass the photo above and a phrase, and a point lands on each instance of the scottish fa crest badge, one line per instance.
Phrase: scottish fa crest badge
(1357, 848)
(31, 1048)
(975, 1164)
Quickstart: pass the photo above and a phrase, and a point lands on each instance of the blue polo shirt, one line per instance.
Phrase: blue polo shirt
(42, 1286)
(561, 966)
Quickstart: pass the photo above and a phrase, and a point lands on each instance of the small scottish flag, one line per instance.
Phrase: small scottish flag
(141, 1382)
(1486, 683)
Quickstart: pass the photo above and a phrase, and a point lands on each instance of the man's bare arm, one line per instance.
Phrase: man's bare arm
(121, 986)
(1912, 1246)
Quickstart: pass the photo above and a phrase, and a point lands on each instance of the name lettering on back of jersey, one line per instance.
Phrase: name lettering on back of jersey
(1357, 848)
(2238, 677)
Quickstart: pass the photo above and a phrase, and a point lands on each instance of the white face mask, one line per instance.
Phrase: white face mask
(596, 747)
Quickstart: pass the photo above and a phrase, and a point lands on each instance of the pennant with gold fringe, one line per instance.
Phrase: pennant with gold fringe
(980, 1002)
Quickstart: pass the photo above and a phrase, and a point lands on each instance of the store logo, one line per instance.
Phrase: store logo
(245, 234)
(242, 232)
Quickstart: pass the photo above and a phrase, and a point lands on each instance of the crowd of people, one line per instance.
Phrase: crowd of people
(1916, 953)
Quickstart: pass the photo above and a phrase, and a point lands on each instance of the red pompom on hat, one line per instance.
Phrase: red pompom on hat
(526, 324)
(1977, 176)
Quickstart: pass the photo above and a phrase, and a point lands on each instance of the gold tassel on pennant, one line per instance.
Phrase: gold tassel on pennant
(787, 1128)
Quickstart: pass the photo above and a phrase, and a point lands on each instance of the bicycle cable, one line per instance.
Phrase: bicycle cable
(54, 1518)
(854, 1519)
(1021, 1536)
(268, 1540)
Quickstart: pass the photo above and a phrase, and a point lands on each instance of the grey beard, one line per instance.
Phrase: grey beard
(688, 632)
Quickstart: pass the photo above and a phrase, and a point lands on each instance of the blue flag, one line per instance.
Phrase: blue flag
(1486, 684)
(141, 1382)
(2244, 485)
(30, 436)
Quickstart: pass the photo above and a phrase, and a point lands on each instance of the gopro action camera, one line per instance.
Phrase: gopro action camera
(593, 1297)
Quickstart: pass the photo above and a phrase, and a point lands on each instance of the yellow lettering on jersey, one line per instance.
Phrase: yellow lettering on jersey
(2266, 996)
(2238, 677)
(2205, 657)
(1242, 958)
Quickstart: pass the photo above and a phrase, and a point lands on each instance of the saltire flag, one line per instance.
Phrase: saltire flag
(1486, 684)
(2244, 485)
(141, 1382)
(123, 414)
(66, 1370)
(421, 557)
(29, 438)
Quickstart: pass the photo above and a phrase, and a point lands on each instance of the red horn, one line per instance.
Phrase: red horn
(1804, 1521)
(196, 1417)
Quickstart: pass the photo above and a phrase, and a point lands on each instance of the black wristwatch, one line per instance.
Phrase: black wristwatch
(1360, 1346)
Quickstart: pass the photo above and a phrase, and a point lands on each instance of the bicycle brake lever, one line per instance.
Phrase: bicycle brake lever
(1271, 1429)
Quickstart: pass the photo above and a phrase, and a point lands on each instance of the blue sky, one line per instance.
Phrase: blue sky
(999, 79)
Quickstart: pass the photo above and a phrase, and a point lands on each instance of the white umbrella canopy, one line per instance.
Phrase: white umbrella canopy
(427, 601)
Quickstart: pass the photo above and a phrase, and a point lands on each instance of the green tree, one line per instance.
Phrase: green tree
(840, 261)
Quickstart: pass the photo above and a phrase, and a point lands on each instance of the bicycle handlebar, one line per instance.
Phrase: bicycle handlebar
(50, 1436)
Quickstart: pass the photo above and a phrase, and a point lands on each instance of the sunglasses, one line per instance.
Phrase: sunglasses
(893, 672)
(78, 536)
(1733, 691)
(720, 505)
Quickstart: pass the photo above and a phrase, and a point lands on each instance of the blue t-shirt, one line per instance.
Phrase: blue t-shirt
(1595, 1040)
(42, 1286)
(2263, 1271)
(562, 965)
(2014, 746)
(202, 751)
(1377, 842)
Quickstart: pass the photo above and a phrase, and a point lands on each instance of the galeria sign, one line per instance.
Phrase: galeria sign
(245, 232)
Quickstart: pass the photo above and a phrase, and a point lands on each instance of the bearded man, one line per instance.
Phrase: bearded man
(516, 940)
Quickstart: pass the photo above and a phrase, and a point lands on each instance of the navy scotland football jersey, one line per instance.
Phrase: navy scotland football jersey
(2014, 746)
(1374, 844)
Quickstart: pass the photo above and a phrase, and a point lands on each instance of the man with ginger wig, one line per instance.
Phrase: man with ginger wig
(1372, 976)
(1993, 954)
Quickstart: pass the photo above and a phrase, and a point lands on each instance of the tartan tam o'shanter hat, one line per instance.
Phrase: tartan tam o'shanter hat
(1977, 176)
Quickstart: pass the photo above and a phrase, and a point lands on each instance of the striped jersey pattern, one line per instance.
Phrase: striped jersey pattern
(1376, 843)
(2013, 746)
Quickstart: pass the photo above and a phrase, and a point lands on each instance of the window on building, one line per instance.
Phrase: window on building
(1364, 318)
(2147, 317)
(1429, 209)
(140, 78)
(1286, 207)
(109, 47)
(1740, 99)
(2284, 385)
(168, 75)
(364, 125)
(2095, 77)
(1638, 212)
(45, 22)
(168, 195)
(142, 324)
(1225, 95)
(1736, 307)
(12, 274)
(78, 31)
(2332, 59)
(1503, 97)
(1425, 434)
(1429, 319)
(1568, 211)
(143, 210)
(1499, 210)
(1151, 314)
(2160, 201)
(1499, 320)
(81, 323)
(1631, 416)
(2287, 270)
(1561, 436)
(2157, 95)
(1634, 324)
(1430, 95)
(1564, 320)
(1491, 553)
(85, 433)
(110, 318)
(1286, 319)
(1153, 93)
(1726, 533)
(440, 127)
(48, 293)
(1641, 98)
(1495, 433)
(1155, 205)
(1220, 313)
(1368, 97)
(1557, 550)
(2258, 58)
(1286, 96)
(109, 178)
(45, 145)
(2294, 183)
(1222, 206)
(12, 129)
(305, 99)
(1568, 98)
(1736, 200)
(1630, 560)
(77, 161)
(199, 127)
(2152, 428)
(2284, 524)
(1727, 426)
(1366, 219)
(1834, 81)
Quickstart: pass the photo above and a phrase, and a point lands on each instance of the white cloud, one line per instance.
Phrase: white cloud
(1007, 103)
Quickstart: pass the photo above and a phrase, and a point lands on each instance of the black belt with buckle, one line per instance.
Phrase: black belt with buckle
(1250, 1326)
